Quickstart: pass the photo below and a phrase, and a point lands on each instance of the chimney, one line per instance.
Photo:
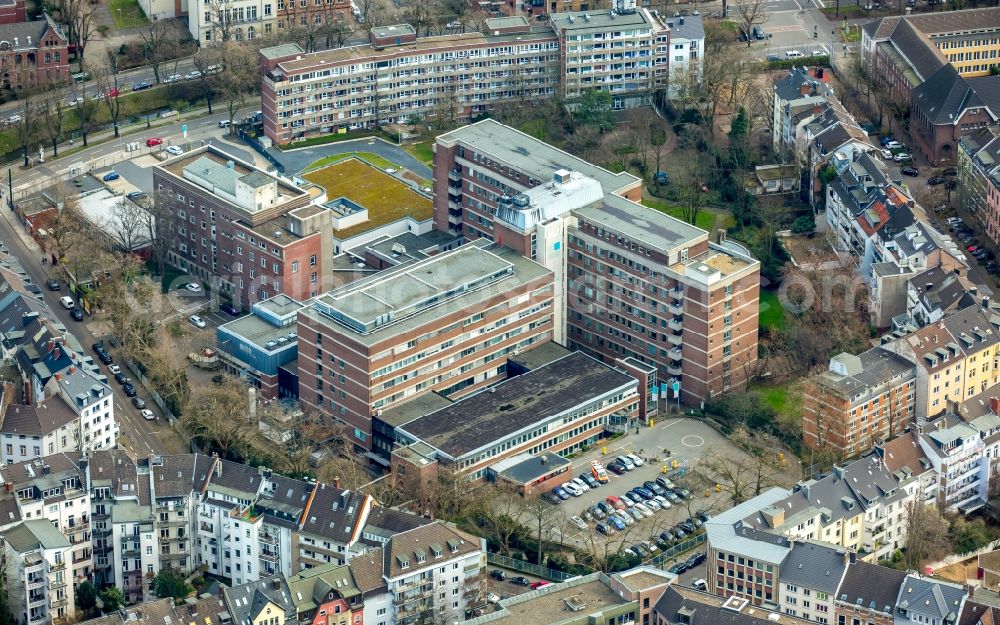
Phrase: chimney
(336, 482)
(45, 469)
(682, 20)
(9, 487)
(804, 88)
(720, 236)
(218, 467)
(995, 405)
(276, 583)
(543, 459)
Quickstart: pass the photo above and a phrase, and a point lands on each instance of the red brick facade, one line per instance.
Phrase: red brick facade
(32, 53)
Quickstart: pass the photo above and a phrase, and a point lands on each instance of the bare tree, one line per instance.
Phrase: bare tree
(107, 81)
(53, 115)
(87, 108)
(223, 23)
(239, 79)
(79, 16)
(926, 535)
(64, 228)
(501, 515)
(218, 415)
(128, 225)
(158, 44)
(27, 123)
(373, 14)
(749, 13)
(743, 475)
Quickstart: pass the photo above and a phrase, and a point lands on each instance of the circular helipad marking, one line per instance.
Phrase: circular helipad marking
(692, 440)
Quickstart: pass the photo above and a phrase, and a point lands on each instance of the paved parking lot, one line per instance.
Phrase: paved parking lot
(674, 439)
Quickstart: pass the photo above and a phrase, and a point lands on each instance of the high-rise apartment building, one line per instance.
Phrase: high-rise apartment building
(397, 75)
(445, 323)
(631, 282)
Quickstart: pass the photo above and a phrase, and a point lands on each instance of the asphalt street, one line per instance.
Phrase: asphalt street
(296, 160)
(141, 434)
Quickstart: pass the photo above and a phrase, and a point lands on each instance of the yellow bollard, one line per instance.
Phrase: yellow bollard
(663, 469)
(706, 492)
(604, 451)
(652, 422)
(718, 488)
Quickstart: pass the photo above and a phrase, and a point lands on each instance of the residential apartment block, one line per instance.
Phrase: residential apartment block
(979, 178)
(457, 77)
(635, 283)
(257, 234)
(445, 323)
(38, 586)
(858, 401)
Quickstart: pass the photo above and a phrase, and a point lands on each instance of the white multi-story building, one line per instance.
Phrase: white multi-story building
(54, 488)
(957, 452)
(433, 572)
(27, 432)
(37, 582)
(94, 405)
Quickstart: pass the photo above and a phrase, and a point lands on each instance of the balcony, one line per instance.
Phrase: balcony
(37, 601)
(675, 354)
(35, 582)
(675, 324)
(58, 603)
(674, 369)
(455, 175)
(675, 339)
(268, 539)
(58, 566)
(267, 556)
(79, 526)
(676, 308)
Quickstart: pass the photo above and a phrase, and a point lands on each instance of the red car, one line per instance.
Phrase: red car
(112, 93)
(616, 502)
(537, 585)
(150, 142)
(971, 248)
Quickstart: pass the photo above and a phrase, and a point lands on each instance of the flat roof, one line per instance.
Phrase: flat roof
(393, 30)
(517, 404)
(411, 409)
(414, 294)
(540, 356)
(532, 468)
(598, 21)
(385, 197)
(509, 21)
(551, 604)
(285, 49)
(259, 332)
(641, 223)
(537, 158)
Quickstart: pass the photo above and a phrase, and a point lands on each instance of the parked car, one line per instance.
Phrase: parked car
(903, 157)
(661, 177)
(616, 467)
(128, 389)
(625, 462)
(684, 493)
(636, 460)
(704, 516)
(53, 285)
(628, 517)
(193, 74)
(67, 302)
(113, 369)
(935, 181)
(590, 480)
(950, 171)
(664, 482)
(229, 308)
(597, 512)
(572, 489)
(33, 288)
(603, 528)
(498, 575)
(560, 492)
(111, 175)
(121, 378)
(672, 496)
(141, 85)
(174, 150)
(224, 123)
(520, 581)
(153, 142)
(577, 521)
(909, 171)
(663, 501)
(650, 547)
(630, 499)
(643, 492)
(193, 287)
(615, 521)
(579, 483)
(639, 550)
(539, 584)
(886, 154)
(197, 321)
(695, 559)
(136, 196)
(552, 499)
(687, 526)
(147, 414)
(653, 486)
(892, 144)
(700, 584)
(492, 597)
(646, 512)
(677, 568)
(653, 505)
(172, 78)
(667, 536)
(76, 314)
(605, 507)
(793, 54)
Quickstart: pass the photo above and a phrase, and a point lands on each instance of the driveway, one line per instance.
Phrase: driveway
(295, 161)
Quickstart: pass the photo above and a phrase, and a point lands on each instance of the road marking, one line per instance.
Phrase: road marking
(692, 440)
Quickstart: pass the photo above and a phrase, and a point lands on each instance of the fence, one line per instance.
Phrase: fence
(663, 559)
(153, 395)
(74, 169)
(255, 143)
(527, 567)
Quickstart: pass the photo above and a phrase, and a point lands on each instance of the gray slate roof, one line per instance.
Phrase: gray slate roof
(815, 566)
(930, 598)
(871, 586)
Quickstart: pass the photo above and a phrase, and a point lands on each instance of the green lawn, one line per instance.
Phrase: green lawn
(772, 314)
(371, 158)
(324, 139)
(705, 219)
(774, 396)
(423, 151)
(127, 13)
